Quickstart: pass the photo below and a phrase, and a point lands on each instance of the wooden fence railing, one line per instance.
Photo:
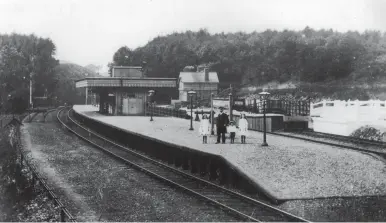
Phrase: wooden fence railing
(254, 122)
(167, 112)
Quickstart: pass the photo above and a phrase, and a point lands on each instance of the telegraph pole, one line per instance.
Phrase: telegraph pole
(30, 91)
(30, 81)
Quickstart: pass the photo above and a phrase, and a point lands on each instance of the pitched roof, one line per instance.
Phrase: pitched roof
(198, 77)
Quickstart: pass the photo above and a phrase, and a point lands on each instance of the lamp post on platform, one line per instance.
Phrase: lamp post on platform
(230, 107)
(191, 94)
(263, 97)
(211, 114)
(151, 93)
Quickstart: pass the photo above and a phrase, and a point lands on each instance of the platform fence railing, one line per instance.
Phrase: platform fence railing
(254, 123)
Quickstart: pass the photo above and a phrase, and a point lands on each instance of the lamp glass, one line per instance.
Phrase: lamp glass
(264, 93)
(191, 92)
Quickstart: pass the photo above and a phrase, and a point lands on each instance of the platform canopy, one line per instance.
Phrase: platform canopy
(126, 82)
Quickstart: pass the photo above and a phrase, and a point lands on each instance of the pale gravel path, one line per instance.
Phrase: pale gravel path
(43, 163)
(288, 168)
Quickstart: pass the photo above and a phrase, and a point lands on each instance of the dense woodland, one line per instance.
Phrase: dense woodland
(24, 57)
(322, 57)
(21, 58)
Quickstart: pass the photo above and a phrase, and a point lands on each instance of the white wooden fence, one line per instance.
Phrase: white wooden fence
(344, 117)
(349, 110)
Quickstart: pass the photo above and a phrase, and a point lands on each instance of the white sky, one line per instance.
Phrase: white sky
(90, 31)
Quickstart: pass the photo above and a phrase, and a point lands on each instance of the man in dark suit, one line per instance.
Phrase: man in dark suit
(221, 125)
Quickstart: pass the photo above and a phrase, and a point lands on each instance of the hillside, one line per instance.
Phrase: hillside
(322, 60)
(67, 74)
(74, 71)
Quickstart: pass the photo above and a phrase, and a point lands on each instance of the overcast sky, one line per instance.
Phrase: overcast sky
(90, 31)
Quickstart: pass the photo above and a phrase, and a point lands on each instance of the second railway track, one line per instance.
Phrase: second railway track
(243, 207)
(367, 146)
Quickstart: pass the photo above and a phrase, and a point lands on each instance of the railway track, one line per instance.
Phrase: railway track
(243, 207)
(365, 142)
(367, 146)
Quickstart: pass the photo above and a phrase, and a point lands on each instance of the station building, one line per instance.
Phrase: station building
(203, 83)
(125, 92)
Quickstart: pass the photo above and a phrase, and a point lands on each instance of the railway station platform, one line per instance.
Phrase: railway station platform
(288, 169)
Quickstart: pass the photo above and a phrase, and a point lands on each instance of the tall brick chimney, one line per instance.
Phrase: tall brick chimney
(206, 71)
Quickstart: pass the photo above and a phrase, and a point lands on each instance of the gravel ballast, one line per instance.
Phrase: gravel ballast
(95, 187)
(289, 168)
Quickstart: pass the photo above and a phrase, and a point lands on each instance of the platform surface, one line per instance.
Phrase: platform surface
(287, 168)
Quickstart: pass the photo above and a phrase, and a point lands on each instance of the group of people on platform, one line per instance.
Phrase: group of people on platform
(223, 125)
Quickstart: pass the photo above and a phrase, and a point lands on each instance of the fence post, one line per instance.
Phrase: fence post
(62, 215)
(21, 159)
(299, 107)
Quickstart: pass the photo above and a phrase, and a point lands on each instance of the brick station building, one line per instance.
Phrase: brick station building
(126, 91)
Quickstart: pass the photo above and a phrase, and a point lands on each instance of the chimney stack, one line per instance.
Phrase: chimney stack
(206, 71)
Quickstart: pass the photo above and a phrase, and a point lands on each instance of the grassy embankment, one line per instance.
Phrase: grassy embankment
(21, 198)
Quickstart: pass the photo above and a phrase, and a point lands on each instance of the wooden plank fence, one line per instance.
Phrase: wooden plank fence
(254, 123)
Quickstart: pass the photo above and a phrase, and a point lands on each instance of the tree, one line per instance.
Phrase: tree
(21, 58)
(310, 56)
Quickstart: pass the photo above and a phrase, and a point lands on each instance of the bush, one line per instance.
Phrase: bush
(21, 198)
(368, 132)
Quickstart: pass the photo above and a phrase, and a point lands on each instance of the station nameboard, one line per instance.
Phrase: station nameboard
(221, 103)
(238, 102)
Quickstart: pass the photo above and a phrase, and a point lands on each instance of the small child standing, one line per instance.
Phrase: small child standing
(232, 130)
(204, 128)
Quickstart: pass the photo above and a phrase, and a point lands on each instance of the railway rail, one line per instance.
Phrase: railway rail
(64, 213)
(361, 145)
(242, 206)
(355, 140)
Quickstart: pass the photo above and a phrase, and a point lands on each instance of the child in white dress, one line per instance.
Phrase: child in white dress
(243, 128)
(204, 128)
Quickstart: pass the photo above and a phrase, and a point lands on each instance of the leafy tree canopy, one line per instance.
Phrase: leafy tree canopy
(306, 56)
(24, 57)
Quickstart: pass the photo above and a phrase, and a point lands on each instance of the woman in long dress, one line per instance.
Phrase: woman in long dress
(204, 128)
(243, 128)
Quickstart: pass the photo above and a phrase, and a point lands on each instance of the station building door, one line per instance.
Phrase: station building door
(133, 105)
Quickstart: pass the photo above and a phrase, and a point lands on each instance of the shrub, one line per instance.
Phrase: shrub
(368, 132)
